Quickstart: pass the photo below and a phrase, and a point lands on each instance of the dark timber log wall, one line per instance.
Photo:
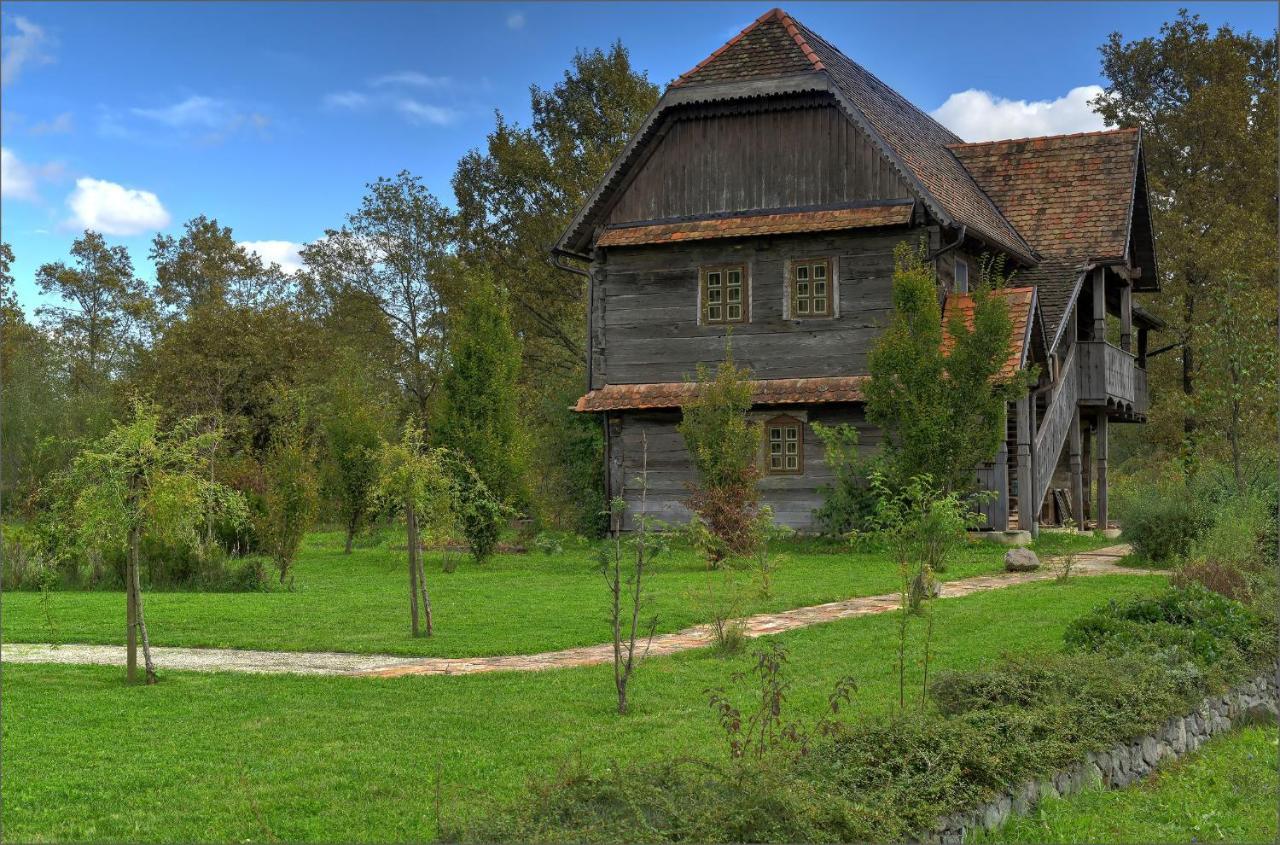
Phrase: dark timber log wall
(646, 308)
(792, 497)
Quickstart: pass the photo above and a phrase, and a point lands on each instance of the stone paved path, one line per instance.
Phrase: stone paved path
(1099, 562)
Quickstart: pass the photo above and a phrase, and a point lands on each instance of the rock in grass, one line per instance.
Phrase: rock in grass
(1021, 560)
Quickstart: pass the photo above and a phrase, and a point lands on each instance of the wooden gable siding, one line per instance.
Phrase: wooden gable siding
(792, 497)
(645, 308)
(713, 161)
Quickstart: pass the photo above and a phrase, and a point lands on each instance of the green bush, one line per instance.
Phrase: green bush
(1161, 519)
(1205, 626)
(848, 504)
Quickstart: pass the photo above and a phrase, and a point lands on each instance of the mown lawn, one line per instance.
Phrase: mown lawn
(1227, 792)
(255, 758)
(512, 604)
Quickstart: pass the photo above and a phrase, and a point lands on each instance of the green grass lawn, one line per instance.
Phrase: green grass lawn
(513, 604)
(1226, 792)
(256, 758)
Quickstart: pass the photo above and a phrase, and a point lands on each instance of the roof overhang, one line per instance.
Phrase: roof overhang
(766, 222)
(675, 394)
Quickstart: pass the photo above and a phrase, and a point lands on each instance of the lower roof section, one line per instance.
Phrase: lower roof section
(893, 213)
(673, 394)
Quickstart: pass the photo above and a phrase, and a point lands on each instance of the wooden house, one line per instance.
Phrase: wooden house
(765, 194)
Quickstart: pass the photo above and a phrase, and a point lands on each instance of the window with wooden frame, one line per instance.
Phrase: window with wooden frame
(723, 294)
(811, 289)
(784, 446)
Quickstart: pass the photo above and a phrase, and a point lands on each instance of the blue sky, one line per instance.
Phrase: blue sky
(272, 116)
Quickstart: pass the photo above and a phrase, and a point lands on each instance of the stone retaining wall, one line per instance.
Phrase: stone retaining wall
(1121, 765)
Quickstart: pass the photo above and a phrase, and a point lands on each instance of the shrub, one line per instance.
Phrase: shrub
(723, 445)
(1161, 518)
(848, 503)
(1206, 627)
(291, 499)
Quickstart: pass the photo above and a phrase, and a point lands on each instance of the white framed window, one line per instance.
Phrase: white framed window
(962, 276)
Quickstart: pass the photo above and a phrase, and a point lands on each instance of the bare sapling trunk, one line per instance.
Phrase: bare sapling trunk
(411, 522)
(351, 536)
(624, 641)
(426, 597)
(131, 609)
(137, 621)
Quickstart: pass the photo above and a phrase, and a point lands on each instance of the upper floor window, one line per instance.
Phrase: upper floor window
(962, 276)
(811, 290)
(784, 438)
(724, 294)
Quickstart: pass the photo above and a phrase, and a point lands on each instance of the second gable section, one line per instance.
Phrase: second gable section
(790, 153)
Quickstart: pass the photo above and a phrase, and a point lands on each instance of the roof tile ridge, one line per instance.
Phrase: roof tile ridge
(1117, 130)
(793, 29)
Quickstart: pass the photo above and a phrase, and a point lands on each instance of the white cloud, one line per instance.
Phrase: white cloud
(980, 116)
(284, 253)
(347, 100)
(197, 111)
(19, 180)
(60, 125)
(23, 48)
(416, 112)
(412, 78)
(113, 209)
(515, 20)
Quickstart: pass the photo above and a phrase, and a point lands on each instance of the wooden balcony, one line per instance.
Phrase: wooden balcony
(1111, 378)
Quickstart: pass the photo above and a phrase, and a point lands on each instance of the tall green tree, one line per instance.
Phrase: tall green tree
(1206, 100)
(207, 266)
(353, 417)
(477, 415)
(942, 414)
(393, 252)
(517, 195)
(291, 496)
(104, 308)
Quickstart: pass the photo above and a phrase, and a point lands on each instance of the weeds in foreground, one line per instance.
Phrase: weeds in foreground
(766, 730)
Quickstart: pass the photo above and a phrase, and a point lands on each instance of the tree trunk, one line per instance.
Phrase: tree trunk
(412, 522)
(351, 536)
(142, 620)
(426, 598)
(1188, 384)
(131, 608)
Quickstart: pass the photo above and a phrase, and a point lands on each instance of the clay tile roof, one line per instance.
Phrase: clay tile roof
(884, 214)
(1021, 302)
(771, 46)
(673, 394)
(1069, 195)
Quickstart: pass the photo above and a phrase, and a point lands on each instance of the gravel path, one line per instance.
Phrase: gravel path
(1099, 562)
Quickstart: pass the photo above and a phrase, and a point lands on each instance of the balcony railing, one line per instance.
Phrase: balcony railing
(1110, 376)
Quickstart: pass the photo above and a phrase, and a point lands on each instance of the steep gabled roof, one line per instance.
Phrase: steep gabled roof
(1073, 197)
(775, 47)
(771, 45)
(921, 143)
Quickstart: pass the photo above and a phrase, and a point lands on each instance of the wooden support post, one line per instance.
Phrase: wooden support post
(1099, 304)
(1126, 317)
(1000, 508)
(1076, 449)
(1142, 347)
(1026, 508)
(131, 609)
(1100, 439)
